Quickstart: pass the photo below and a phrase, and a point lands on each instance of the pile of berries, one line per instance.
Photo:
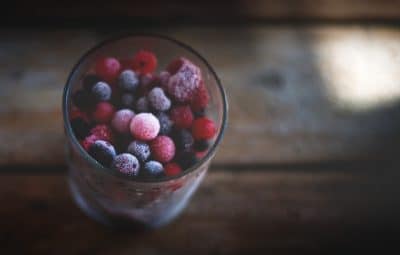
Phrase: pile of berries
(140, 123)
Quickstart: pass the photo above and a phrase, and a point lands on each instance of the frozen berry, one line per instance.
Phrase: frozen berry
(200, 98)
(101, 91)
(103, 112)
(108, 69)
(89, 81)
(128, 81)
(172, 169)
(145, 126)
(174, 65)
(184, 83)
(103, 132)
(153, 168)
(158, 100)
(186, 159)
(140, 149)
(80, 127)
(182, 116)
(201, 145)
(128, 100)
(183, 139)
(88, 141)
(121, 120)
(164, 77)
(142, 105)
(203, 128)
(82, 99)
(76, 113)
(103, 152)
(163, 149)
(126, 163)
(144, 62)
(165, 123)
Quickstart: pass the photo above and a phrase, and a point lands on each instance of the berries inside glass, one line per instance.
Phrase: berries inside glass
(143, 117)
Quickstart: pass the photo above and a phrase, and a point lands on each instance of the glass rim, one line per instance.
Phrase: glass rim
(92, 162)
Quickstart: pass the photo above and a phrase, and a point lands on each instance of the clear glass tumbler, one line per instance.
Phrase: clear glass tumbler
(119, 200)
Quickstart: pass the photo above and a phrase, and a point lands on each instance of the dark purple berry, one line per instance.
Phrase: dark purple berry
(201, 145)
(101, 91)
(126, 163)
(103, 152)
(128, 81)
(89, 81)
(80, 127)
(128, 100)
(186, 159)
(82, 99)
(152, 168)
(142, 105)
(140, 149)
(165, 123)
(158, 100)
(183, 139)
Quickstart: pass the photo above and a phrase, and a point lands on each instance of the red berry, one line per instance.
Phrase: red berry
(203, 128)
(108, 69)
(103, 112)
(172, 169)
(182, 116)
(102, 132)
(200, 98)
(174, 66)
(144, 62)
(88, 141)
(163, 149)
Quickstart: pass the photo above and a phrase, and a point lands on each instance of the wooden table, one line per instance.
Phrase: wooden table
(308, 163)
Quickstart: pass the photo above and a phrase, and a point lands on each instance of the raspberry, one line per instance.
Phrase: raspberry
(121, 120)
(183, 139)
(128, 100)
(172, 169)
(165, 123)
(108, 69)
(103, 112)
(144, 62)
(163, 149)
(203, 128)
(128, 81)
(174, 65)
(103, 152)
(101, 91)
(186, 159)
(80, 127)
(88, 141)
(145, 126)
(126, 163)
(158, 100)
(182, 116)
(183, 84)
(142, 105)
(102, 132)
(201, 145)
(153, 168)
(140, 149)
(82, 99)
(200, 98)
(89, 81)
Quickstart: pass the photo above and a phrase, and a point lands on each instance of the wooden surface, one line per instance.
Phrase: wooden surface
(251, 211)
(296, 94)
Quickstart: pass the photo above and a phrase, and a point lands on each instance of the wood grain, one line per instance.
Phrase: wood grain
(270, 211)
(296, 94)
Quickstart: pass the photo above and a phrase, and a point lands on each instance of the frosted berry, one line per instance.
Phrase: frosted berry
(126, 163)
(201, 145)
(121, 120)
(153, 168)
(203, 128)
(142, 105)
(80, 127)
(140, 149)
(101, 91)
(82, 99)
(163, 149)
(174, 65)
(102, 132)
(172, 169)
(89, 81)
(103, 112)
(88, 141)
(200, 98)
(145, 126)
(182, 116)
(128, 100)
(128, 81)
(165, 123)
(144, 62)
(158, 100)
(183, 139)
(103, 152)
(108, 69)
(186, 159)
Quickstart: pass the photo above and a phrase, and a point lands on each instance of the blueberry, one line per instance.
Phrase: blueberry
(126, 163)
(103, 152)
(158, 100)
(89, 81)
(101, 91)
(152, 168)
(183, 139)
(80, 127)
(201, 145)
(82, 99)
(140, 149)
(128, 80)
(142, 105)
(128, 100)
(165, 123)
(186, 159)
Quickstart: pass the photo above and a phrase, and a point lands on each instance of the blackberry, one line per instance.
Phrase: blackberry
(183, 139)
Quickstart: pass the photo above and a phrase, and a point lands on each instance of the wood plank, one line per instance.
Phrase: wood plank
(249, 211)
(297, 94)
